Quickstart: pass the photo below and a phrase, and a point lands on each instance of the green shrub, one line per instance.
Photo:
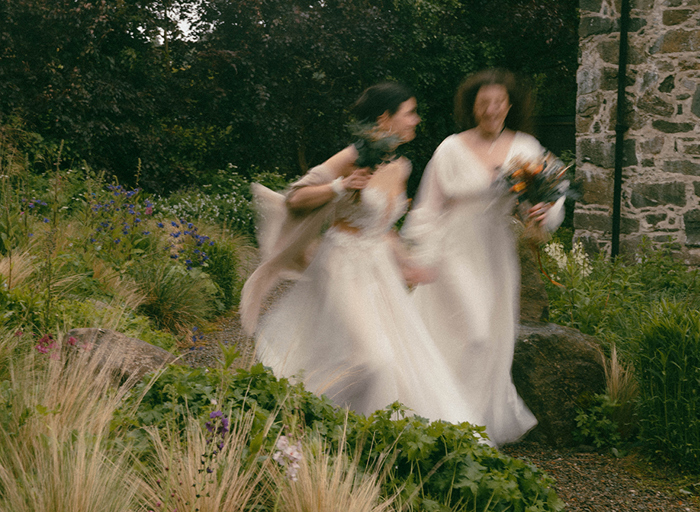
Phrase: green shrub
(669, 375)
(225, 200)
(607, 298)
(437, 465)
(176, 298)
(222, 268)
(595, 422)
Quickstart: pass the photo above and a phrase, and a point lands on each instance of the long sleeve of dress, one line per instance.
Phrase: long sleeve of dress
(421, 230)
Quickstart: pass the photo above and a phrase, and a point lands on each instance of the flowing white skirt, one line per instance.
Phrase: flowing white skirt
(471, 312)
(349, 330)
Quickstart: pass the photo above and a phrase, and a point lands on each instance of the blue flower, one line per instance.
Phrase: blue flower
(116, 240)
(160, 225)
(146, 233)
(173, 256)
(45, 220)
(174, 224)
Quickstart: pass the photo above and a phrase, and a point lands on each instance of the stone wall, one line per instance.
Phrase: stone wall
(661, 173)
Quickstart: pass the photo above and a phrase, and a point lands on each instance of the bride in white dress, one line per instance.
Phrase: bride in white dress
(462, 226)
(348, 327)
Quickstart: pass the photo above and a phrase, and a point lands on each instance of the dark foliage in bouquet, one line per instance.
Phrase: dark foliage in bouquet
(374, 145)
(539, 181)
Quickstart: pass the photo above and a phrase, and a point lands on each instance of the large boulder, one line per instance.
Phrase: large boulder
(552, 367)
(128, 359)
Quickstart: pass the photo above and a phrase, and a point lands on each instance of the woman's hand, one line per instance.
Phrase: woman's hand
(538, 213)
(357, 180)
(311, 197)
(414, 275)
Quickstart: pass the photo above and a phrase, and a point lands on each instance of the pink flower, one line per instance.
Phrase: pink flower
(87, 346)
(71, 341)
(148, 210)
(19, 333)
(42, 348)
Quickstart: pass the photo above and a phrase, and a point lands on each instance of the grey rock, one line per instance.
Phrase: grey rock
(657, 194)
(695, 105)
(128, 359)
(553, 367)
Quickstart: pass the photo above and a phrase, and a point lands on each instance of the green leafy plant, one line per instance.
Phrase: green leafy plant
(432, 463)
(175, 298)
(669, 376)
(595, 423)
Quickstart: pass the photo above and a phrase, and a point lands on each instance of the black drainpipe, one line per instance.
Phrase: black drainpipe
(620, 128)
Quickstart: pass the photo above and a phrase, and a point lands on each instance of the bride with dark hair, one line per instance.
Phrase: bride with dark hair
(347, 327)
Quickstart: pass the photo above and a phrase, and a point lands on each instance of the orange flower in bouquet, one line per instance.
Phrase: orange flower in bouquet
(542, 180)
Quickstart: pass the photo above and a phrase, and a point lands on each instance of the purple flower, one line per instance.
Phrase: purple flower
(216, 414)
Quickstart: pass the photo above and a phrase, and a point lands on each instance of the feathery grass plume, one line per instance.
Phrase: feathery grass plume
(210, 470)
(55, 450)
(623, 390)
(17, 268)
(324, 481)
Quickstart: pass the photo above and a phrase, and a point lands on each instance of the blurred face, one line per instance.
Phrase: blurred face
(491, 107)
(403, 123)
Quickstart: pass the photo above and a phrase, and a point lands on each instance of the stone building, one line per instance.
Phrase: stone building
(660, 195)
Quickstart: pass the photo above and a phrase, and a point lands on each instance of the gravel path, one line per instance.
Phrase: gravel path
(598, 482)
(586, 481)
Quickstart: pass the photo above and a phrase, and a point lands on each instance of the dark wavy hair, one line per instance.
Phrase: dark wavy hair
(380, 98)
(520, 114)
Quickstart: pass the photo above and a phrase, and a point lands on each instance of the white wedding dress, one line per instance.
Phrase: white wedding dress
(462, 225)
(348, 329)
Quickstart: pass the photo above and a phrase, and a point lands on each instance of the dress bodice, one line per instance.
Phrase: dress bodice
(374, 214)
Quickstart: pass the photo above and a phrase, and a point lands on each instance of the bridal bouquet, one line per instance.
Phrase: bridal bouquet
(538, 181)
(542, 180)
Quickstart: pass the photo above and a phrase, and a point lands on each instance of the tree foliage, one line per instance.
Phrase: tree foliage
(260, 84)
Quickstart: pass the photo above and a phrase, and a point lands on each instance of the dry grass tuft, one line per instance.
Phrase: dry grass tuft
(623, 389)
(199, 474)
(54, 451)
(18, 268)
(329, 482)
